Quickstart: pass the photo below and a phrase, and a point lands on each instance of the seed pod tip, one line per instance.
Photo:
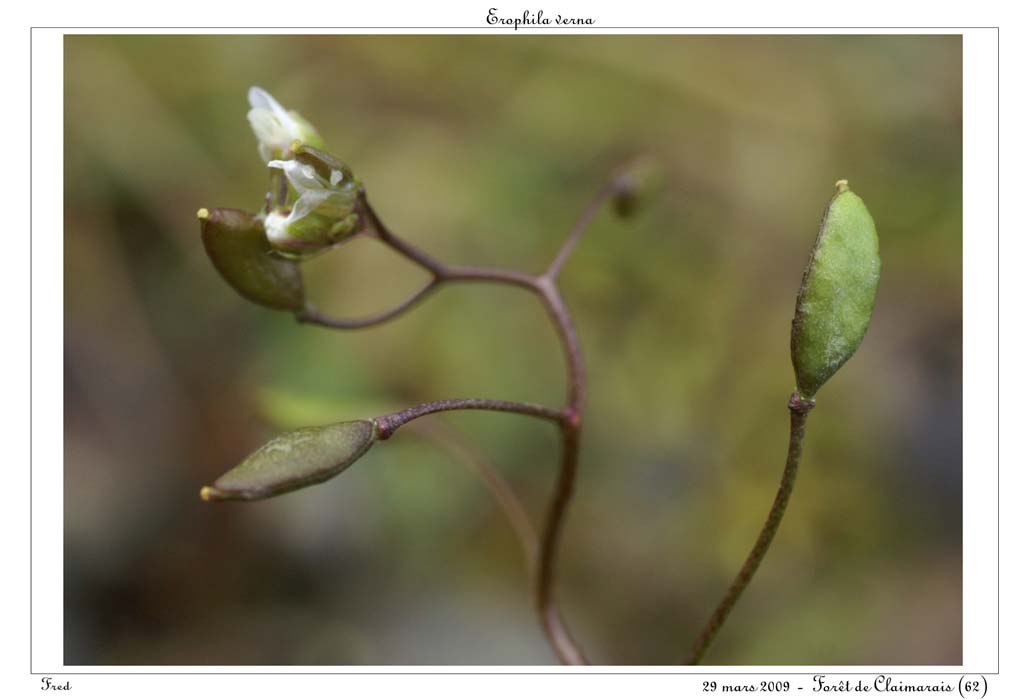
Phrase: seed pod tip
(209, 493)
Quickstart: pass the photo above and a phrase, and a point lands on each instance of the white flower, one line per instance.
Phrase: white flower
(275, 128)
(275, 228)
(314, 191)
(322, 212)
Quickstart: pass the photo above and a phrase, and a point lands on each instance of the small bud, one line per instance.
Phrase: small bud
(635, 184)
(294, 460)
(837, 293)
(237, 245)
(275, 128)
(323, 213)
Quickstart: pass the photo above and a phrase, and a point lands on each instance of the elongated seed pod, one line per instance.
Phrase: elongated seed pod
(294, 460)
(236, 243)
(837, 293)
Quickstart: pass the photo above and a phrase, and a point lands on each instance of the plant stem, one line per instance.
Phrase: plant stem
(312, 315)
(466, 452)
(491, 274)
(387, 424)
(569, 340)
(570, 419)
(382, 232)
(547, 608)
(580, 226)
(571, 431)
(799, 408)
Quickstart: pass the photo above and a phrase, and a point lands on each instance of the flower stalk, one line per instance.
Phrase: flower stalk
(799, 409)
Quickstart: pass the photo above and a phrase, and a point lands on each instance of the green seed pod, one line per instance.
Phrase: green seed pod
(834, 304)
(237, 245)
(294, 460)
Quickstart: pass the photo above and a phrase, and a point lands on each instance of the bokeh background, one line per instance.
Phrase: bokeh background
(483, 150)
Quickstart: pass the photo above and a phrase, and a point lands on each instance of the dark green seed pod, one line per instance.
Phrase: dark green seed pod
(834, 304)
(294, 460)
(237, 245)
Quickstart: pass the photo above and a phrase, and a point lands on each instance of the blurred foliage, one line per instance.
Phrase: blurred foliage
(483, 149)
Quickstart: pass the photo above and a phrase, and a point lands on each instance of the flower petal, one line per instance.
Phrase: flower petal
(261, 99)
(302, 177)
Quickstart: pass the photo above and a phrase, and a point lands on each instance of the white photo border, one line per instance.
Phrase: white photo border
(981, 486)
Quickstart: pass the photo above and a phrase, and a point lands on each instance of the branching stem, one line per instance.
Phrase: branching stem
(569, 419)
(542, 554)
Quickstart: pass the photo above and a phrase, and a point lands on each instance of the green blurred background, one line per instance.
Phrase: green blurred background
(483, 150)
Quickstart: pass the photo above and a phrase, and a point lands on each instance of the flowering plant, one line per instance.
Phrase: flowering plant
(314, 202)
